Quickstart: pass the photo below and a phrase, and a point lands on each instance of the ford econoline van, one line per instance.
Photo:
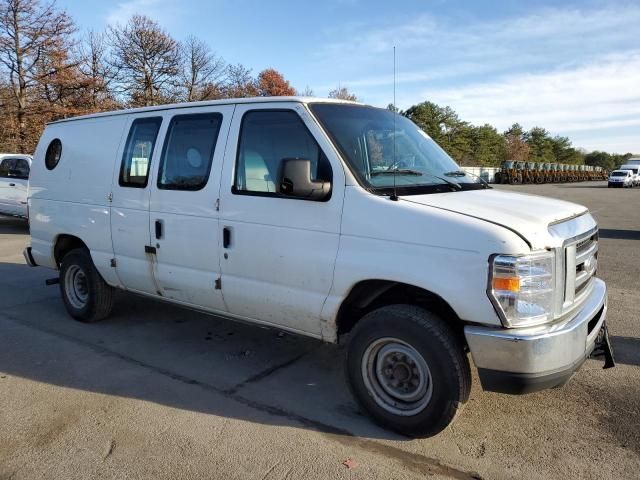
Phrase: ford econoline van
(330, 219)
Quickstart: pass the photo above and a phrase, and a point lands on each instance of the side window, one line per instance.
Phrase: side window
(188, 151)
(14, 168)
(6, 166)
(266, 138)
(136, 159)
(22, 168)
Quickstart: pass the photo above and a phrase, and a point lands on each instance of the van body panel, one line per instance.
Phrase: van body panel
(278, 267)
(68, 199)
(187, 264)
(444, 253)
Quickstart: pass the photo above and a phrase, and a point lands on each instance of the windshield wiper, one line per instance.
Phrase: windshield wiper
(462, 173)
(400, 171)
(405, 171)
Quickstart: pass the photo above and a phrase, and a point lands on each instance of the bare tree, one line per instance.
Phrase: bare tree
(343, 93)
(98, 73)
(147, 60)
(202, 70)
(307, 92)
(29, 30)
(240, 83)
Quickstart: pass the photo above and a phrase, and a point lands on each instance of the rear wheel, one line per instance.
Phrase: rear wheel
(408, 370)
(86, 295)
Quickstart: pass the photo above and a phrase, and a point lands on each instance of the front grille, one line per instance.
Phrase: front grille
(581, 262)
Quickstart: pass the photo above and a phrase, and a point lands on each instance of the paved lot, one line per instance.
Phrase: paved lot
(160, 392)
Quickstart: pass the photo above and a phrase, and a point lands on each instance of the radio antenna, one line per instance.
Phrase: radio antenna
(394, 197)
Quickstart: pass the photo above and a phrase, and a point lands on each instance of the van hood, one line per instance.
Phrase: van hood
(527, 215)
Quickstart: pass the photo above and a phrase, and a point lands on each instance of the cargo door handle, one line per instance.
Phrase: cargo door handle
(12, 184)
(226, 237)
(158, 229)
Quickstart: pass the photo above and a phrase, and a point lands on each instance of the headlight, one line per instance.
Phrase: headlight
(522, 288)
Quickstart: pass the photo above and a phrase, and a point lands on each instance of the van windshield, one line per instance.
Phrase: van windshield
(619, 174)
(384, 149)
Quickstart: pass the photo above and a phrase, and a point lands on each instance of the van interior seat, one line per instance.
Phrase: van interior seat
(256, 173)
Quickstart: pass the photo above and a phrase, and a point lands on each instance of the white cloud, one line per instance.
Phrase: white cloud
(595, 97)
(574, 71)
(159, 10)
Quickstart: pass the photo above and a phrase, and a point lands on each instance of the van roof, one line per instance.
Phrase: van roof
(224, 101)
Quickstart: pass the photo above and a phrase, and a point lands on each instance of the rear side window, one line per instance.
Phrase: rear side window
(188, 151)
(54, 152)
(266, 138)
(136, 159)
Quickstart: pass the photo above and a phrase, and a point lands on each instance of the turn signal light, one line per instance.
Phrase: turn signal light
(509, 284)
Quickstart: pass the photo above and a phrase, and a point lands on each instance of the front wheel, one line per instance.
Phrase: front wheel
(408, 370)
(86, 295)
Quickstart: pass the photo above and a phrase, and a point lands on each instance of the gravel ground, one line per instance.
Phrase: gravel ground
(160, 392)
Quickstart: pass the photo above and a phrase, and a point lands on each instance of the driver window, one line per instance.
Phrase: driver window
(266, 138)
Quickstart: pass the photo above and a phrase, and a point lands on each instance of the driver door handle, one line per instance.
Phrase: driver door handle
(226, 237)
(12, 184)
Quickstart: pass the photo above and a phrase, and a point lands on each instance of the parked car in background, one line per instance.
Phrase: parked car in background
(330, 219)
(14, 182)
(635, 169)
(621, 178)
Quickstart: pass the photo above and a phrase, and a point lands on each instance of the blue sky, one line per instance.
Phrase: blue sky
(571, 67)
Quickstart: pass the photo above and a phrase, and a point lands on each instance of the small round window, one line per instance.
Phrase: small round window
(54, 151)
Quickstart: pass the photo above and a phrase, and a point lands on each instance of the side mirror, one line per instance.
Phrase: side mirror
(294, 180)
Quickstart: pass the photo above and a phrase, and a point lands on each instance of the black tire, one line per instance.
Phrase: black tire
(447, 366)
(91, 299)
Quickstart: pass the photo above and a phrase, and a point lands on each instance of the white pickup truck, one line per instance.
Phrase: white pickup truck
(333, 220)
(14, 179)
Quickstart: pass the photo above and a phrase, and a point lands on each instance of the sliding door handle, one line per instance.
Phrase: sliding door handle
(158, 229)
(226, 237)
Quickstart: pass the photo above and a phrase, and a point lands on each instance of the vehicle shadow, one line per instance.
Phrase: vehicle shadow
(626, 350)
(619, 234)
(165, 354)
(13, 225)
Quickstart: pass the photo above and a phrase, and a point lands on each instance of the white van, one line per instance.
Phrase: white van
(14, 180)
(635, 173)
(329, 219)
(621, 178)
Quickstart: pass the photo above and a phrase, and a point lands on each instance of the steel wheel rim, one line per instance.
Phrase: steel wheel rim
(76, 286)
(397, 376)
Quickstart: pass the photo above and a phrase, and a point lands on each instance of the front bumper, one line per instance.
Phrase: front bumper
(531, 359)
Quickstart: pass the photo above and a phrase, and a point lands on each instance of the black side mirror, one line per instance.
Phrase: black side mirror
(294, 180)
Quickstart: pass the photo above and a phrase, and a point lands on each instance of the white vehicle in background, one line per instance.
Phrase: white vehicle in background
(324, 218)
(635, 170)
(14, 182)
(621, 178)
(633, 161)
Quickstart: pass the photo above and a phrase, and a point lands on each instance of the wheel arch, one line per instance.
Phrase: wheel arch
(64, 243)
(367, 295)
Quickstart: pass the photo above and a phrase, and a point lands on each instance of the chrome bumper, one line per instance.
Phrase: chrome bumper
(538, 357)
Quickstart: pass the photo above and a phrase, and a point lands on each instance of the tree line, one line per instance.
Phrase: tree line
(484, 145)
(49, 71)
